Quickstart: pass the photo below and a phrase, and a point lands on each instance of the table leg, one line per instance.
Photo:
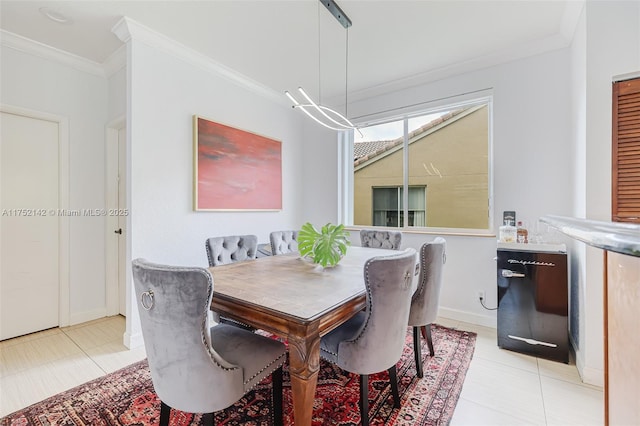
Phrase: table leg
(304, 363)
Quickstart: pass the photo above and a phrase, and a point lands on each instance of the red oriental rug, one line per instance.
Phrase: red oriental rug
(126, 397)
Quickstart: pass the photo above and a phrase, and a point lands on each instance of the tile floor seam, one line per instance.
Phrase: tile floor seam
(4, 344)
(562, 379)
(569, 382)
(37, 364)
(544, 407)
(498, 410)
(506, 365)
(85, 353)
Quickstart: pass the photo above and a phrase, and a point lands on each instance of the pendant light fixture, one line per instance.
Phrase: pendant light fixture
(321, 114)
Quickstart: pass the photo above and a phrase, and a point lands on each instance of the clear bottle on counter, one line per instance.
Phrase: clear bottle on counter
(508, 232)
(522, 234)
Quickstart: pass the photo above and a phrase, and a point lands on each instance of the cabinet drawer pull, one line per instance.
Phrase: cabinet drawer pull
(507, 273)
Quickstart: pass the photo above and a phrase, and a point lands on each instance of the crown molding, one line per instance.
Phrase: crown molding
(122, 29)
(116, 61)
(570, 18)
(127, 29)
(23, 44)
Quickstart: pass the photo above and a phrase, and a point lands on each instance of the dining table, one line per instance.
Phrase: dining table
(293, 298)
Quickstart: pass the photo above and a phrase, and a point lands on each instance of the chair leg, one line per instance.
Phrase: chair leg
(427, 332)
(165, 412)
(417, 351)
(393, 378)
(364, 400)
(276, 378)
(208, 419)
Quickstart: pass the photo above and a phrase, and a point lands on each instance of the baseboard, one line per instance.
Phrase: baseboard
(132, 341)
(590, 376)
(455, 314)
(80, 317)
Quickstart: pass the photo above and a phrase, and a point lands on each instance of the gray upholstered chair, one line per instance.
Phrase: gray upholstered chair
(195, 368)
(283, 242)
(231, 249)
(380, 239)
(425, 300)
(373, 340)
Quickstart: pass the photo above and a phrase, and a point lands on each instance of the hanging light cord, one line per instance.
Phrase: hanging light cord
(321, 113)
(346, 73)
(319, 60)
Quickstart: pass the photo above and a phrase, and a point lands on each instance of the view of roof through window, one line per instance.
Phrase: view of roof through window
(393, 130)
(380, 137)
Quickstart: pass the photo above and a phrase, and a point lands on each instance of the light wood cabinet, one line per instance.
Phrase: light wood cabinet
(622, 340)
(621, 245)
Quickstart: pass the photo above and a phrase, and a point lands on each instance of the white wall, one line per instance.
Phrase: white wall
(320, 174)
(164, 92)
(578, 312)
(40, 84)
(117, 94)
(612, 40)
(532, 165)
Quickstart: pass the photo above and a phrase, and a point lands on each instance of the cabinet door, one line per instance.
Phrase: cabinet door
(625, 152)
(622, 377)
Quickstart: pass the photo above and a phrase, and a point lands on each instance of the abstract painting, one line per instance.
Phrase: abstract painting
(235, 169)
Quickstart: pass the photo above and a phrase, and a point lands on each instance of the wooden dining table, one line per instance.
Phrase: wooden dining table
(298, 300)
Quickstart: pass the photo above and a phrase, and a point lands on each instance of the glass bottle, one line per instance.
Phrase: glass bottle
(522, 233)
(508, 232)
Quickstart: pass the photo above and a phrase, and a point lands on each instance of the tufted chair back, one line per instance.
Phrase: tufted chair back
(373, 340)
(425, 300)
(379, 344)
(283, 242)
(231, 249)
(196, 368)
(380, 239)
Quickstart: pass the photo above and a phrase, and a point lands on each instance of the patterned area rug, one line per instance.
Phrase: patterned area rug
(126, 397)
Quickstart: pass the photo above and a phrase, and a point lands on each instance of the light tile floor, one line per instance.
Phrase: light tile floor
(501, 387)
(39, 365)
(507, 388)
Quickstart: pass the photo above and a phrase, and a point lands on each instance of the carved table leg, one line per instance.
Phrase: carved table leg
(304, 363)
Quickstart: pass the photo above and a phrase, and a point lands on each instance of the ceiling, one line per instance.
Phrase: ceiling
(286, 44)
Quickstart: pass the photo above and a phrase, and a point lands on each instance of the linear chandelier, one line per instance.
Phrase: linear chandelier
(321, 114)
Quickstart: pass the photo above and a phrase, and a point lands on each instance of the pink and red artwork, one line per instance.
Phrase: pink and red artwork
(235, 169)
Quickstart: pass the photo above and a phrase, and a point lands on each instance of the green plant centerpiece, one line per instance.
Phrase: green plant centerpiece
(325, 247)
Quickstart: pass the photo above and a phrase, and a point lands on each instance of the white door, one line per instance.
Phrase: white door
(29, 231)
(116, 229)
(122, 221)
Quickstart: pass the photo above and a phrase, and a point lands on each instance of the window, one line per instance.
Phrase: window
(388, 207)
(438, 159)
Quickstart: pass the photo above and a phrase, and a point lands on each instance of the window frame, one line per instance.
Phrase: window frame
(402, 213)
(346, 155)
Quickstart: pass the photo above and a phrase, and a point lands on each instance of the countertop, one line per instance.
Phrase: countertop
(535, 247)
(613, 236)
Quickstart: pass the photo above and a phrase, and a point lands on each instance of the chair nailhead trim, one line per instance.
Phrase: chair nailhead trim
(275, 361)
(329, 352)
(423, 275)
(369, 305)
